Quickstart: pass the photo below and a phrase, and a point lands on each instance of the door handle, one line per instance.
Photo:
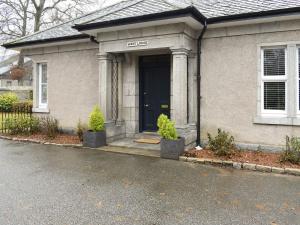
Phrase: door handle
(146, 105)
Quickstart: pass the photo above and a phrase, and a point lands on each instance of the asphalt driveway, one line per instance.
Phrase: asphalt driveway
(64, 186)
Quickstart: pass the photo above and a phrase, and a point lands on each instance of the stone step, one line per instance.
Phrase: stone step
(147, 135)
(131, 151)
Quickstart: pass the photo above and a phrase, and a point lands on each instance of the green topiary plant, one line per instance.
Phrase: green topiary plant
(222, 144)
(166, 128)
(96, 122)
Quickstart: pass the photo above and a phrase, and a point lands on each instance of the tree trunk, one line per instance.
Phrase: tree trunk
(37, 19)
(21, 59)
(39, 8)
(24, 31)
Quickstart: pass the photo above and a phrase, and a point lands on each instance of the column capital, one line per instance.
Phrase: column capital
(180, 51)
(193, 55)
(120, 58)
(104, 56)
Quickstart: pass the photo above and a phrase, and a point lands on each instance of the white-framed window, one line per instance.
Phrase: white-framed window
(42, 85)
(274, 81)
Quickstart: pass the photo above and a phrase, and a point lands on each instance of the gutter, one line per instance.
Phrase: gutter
(253, 15)
(199, 51)
(188, 11)
(46, 41)
(94, 40)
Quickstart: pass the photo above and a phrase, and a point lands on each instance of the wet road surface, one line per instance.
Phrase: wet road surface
(65, 186)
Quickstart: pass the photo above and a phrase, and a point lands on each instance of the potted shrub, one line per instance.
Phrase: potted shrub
(171, 146)
(95, 137)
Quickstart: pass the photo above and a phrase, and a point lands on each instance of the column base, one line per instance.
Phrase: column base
(115, 130)
(189, 133)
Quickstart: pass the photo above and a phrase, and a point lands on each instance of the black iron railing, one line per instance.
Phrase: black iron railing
(18, 113)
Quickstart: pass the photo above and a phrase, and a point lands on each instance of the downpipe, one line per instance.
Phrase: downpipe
(199, 52)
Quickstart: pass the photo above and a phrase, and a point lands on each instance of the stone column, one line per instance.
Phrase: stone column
(179, 87)
(192, 88)
(105, 73)
(120, 60)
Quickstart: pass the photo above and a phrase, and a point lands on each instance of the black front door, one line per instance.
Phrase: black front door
(154, 90)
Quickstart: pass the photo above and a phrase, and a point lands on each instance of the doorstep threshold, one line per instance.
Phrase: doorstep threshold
(131, 151)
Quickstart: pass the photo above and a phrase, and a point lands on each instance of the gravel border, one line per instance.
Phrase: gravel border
(39, 142)
(241, 166)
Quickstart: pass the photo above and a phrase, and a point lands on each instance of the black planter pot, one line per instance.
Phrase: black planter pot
(170, 149)
(94, 139)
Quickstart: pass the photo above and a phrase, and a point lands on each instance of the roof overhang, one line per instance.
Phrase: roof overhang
(189, 15)
(255, 18)
(47, 42)
(243, 22)
(195, 24)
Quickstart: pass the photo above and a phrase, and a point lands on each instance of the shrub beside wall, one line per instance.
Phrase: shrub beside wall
(81, 128)
(7, 101)
(22, 125)
(25, 106)
(27, 125)
(292, 152)
(49, 126)
(222, 144)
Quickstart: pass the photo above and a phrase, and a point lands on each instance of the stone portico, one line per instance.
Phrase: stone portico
(119, 77)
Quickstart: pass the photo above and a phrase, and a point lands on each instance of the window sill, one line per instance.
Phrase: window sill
(285, 121)
(40, 110)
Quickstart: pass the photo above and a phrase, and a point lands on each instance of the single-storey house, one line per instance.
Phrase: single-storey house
(208, 64)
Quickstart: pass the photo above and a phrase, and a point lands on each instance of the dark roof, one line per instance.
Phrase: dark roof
(212, 10)
(220, 8)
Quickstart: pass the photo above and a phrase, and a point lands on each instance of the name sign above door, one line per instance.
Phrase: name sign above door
(137, 43)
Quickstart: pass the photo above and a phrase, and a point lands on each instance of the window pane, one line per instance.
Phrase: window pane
(274, 95)
(274, 62)
(44, 94)
(44, 73)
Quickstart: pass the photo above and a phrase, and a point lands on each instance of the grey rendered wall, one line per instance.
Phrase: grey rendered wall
(72, 80)
(230, 81)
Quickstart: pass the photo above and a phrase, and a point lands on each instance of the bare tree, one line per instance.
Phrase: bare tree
(57, 11)
(14, 17)
(21, 17)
